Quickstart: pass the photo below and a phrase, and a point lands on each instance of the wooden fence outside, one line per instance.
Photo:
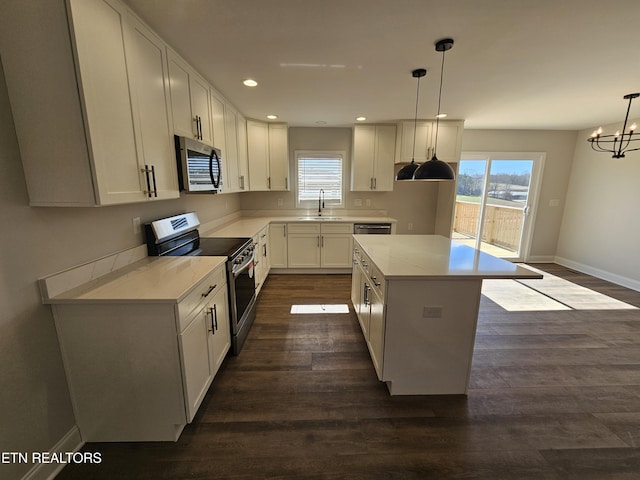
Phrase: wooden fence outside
(502, 225)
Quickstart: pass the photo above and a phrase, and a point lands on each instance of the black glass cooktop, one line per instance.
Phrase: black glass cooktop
(222, 246)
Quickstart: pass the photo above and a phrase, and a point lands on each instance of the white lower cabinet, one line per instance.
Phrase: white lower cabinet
(261, 257)
(316, 244)
(367, 295)
(278, 245)
(139, 371)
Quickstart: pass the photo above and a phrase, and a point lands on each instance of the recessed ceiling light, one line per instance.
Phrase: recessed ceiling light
(272, 117)
(249, 82)
(361, 119)
(442, 115)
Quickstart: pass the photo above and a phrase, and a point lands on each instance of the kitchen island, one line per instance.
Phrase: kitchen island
(417, 299)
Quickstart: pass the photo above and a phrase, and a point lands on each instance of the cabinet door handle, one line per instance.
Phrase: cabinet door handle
(366, 294)
(199, 127)
(211, 289)
(269, 183)
(286, 183)
(264, 250)
(375, 183)
(215, 315)
(153, 176)
(146, 170)
(318, 241)
(284, 229)
(322, 241)
(241, 182)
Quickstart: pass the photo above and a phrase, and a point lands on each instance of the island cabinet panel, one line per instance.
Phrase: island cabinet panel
(138, 371)
(439, 329)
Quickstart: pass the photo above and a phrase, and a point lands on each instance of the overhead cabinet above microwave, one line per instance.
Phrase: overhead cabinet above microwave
(91, 117)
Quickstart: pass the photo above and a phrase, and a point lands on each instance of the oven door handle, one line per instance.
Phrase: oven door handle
(244, 267)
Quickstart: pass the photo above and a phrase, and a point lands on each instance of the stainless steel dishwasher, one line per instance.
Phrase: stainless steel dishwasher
(378, 228)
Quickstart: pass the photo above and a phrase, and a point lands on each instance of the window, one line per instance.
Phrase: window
(320, 171)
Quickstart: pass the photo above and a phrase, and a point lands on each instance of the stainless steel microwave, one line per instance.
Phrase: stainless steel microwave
(199, 166)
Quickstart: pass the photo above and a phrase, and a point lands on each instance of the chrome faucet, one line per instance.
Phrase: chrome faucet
(320, 202)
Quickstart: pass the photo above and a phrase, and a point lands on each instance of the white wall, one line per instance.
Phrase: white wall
(559, 146)
(35, 410)
(600, 231)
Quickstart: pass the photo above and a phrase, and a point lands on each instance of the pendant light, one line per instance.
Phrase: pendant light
(619, 143)
(434, 169)
(406, 172)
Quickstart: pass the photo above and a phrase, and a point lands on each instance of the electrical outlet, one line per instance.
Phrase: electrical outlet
(280, 202)
(136, 225)
(554, 203)
(368, 202)
(432, 312)
(357, 202)
(410, 226)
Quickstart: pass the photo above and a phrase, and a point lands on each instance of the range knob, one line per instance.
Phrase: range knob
(238, 260)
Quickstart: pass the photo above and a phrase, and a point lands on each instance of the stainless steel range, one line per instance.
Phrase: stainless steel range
(178, 235)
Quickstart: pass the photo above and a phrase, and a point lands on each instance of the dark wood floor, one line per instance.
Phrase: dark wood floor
(553, 395)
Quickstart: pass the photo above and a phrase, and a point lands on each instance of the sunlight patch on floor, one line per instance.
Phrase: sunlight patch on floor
(548, 293)
(335, 308)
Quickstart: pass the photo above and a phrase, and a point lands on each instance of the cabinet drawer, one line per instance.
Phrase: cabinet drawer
(337, 228)
(308, 227)
(203, 291)
(377, 280)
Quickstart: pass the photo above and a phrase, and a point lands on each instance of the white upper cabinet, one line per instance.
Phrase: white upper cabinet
(258, 155)
(278, 157)
(449, 144)
(189, 101)
(373, 157)
(268, 155)
(231, 157)
(243, 160)
(156, 150)
(87, 82)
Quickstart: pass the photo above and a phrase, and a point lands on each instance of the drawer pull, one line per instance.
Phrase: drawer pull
(211, 289)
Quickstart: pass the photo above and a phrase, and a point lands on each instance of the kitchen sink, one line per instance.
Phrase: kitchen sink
(319, 219)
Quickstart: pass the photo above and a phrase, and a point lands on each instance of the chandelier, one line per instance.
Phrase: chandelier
(619, 143)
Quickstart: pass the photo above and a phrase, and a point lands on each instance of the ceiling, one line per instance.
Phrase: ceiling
(521, 64)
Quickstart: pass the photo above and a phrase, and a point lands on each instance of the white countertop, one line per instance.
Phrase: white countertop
(435, 256)
(250, 226)
(152, 279)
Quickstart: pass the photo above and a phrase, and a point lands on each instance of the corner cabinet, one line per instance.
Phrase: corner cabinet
(373, 158)
(268, 156)
(449, 145)
(139, 371)
(92, 82)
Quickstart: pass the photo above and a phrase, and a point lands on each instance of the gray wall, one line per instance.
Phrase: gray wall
(35, 410)
(601, 223)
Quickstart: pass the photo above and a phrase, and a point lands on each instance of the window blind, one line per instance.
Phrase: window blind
(316, 173)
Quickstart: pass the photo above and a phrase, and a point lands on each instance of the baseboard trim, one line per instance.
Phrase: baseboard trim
(540, 259)
(602, 274)
(70, 442)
